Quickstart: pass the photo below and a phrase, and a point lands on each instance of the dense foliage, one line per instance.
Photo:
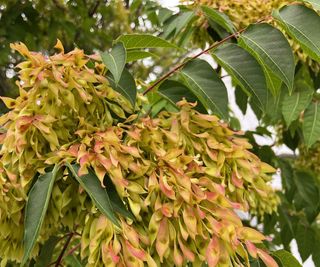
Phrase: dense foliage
(126, 175)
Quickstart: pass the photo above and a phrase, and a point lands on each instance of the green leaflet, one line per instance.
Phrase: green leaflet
(245, 70)
(302, 24)
(203, 82)
(311, 124)
(132, 41)
(285, 259)
(273, 52)
(97, 193)
(115, 60)
(36, 207)
(220, 18)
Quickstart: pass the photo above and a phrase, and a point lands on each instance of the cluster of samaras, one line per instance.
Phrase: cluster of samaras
(182, 175)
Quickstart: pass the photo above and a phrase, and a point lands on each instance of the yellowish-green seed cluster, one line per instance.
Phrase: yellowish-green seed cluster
(183, 175)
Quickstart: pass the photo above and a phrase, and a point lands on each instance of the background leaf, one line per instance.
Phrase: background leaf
(36, 207)
(97, 193)
(285, 259)
(293, 105)
(134, 55)
(220, 18)
(302, 24)
(204, 82)
(272, 51)
(131, 41)
(46, 252)
(115, 60)
(311, 124)
(126, 86)
(245, 70)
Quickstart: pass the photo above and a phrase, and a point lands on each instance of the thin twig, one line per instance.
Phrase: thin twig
(58, 262)
(71, 251)
(168, 74)
(214, 45)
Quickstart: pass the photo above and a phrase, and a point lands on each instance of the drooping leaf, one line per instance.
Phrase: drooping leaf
(126, 86)
(273, 52)
(115, 199)
(203, 81)
(36, 207)
(285, 259)
(132, 41)
(245, 70)
(46, 252)
(311, 124)
(293, 105)
(307, 187)
(302, 24)
(115, 60)
(97, 193)
(175, 91)
(220, 18)
(134, 55)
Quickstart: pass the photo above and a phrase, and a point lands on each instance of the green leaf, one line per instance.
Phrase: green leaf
(175, 91)
(126, 86)
(220, 18)
(97, 193)
(311, 124)
(115, 60)
(72, 261)
(293, 105)
(182, 20)
(134, 55)
(36, 207)
(304, 236)
(204, 82)
(132, 41)
(245, 70)
(307, 187)
(116, 201)
(273, 52)
(302, 24)
(46, 252)
(285, 259)
(241, 99)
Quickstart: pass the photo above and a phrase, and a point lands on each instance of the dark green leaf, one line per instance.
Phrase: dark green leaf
(126, 86)
(311, 124)
(115, 199)
(305, 240)
(245, 70)
(203, 81)
(115, 60)
(36, 207)
(307, 187)
(220, 18)
(72, 261)
(46, 252)
(97, 193)
(273, 52)
(182, 20)
(302, 24)
(132, 41)
(175, 91)
(285, 259)
(241, 99)
(134, 55)
(293, 105)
